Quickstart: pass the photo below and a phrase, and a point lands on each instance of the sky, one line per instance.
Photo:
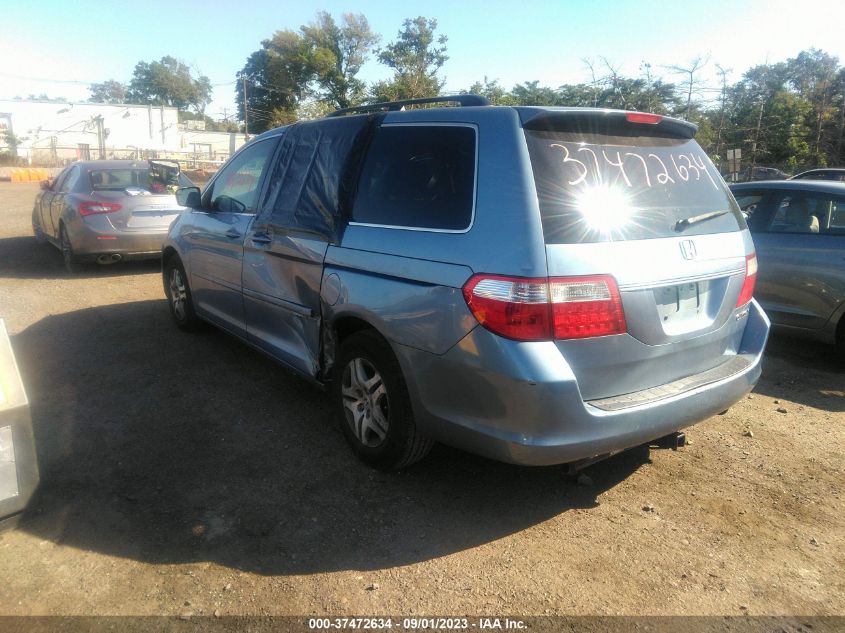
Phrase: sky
(58, 47)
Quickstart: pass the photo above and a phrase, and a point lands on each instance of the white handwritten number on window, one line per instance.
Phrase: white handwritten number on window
(685, 167)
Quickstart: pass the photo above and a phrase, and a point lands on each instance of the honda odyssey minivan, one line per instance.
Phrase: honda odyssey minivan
(537, 285)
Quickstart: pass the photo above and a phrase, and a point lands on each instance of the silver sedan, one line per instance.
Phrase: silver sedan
(107, 211)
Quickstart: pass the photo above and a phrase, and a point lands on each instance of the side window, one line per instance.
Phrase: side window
(835, 223)
(70, 180)
(236, 187)
(798, 212)
(59, 180)
(830, 175)
(418, 176)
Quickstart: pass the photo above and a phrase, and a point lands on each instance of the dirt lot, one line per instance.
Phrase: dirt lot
(188, 474)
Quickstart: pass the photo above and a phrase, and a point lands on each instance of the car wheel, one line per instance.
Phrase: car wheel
(373, 404)
(40, 238)
(70, 259)
(179, 296)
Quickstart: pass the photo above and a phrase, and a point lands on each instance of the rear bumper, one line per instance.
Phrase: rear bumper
(520, 402)
(90, 242)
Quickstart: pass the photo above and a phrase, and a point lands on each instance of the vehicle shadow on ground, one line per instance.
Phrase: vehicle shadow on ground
(820, 378)
(24, 258)
(167, 447)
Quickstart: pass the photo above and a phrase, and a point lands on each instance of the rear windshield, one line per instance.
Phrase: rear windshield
(602, 188)
(136, 179)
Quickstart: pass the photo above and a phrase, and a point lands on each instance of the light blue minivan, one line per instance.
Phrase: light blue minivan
(537, 285)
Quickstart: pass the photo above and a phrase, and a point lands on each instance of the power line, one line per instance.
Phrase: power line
(51, 81)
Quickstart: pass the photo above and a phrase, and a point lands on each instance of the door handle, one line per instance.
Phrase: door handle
(261, 238)
(232, 234)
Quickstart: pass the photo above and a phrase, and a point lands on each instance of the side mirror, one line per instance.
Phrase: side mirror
(189, 197)
(46, 184)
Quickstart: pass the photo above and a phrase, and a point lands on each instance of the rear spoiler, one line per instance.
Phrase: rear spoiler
(597, 121)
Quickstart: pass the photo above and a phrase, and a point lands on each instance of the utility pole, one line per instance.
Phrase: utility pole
(101, 136)
(722, 105)
(754, 145)
(246, 112)
(838, 157)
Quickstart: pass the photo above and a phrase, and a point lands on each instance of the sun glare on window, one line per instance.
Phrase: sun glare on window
(606, 210)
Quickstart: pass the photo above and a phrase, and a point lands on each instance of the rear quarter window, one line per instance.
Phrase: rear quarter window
(418, 176)
(600, 188)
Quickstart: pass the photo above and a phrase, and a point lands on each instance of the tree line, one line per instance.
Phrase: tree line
(789, 114)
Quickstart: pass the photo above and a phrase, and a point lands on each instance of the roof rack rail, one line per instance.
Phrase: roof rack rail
(392, 106)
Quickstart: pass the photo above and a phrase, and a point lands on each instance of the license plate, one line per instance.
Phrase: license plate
(679, 301)
(139, 220)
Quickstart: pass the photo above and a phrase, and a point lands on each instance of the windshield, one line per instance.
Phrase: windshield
(601, 188)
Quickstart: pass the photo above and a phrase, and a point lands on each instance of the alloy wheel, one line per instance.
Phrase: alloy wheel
(178, 294)
(365, 402)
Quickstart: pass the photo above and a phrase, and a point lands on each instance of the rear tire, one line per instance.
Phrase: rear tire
(371, 400)
(179, 297)
(71, 261)
(40, 238)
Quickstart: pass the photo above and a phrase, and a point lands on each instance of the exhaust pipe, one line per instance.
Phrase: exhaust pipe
(109, 258)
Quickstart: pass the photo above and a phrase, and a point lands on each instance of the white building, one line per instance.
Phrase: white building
(52, 133)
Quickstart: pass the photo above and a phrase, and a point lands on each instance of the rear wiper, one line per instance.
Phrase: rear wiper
(680, 225)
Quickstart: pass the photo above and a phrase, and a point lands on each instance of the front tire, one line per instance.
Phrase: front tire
(179, 297)
(371, 399)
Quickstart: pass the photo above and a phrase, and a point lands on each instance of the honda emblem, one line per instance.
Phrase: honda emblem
(688, 249)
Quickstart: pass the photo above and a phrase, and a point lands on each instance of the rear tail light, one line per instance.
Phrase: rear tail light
(586, 306)
(94, 207)
(750, 279)
(513, 307)
(541, 309)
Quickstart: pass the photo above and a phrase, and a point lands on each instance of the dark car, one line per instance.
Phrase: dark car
(821, 174)
(799, 232)
(762, 173)
(108, 210)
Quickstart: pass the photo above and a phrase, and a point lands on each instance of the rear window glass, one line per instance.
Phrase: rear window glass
(419, 176)
(822, 175)
(601, 188)
(136, 179)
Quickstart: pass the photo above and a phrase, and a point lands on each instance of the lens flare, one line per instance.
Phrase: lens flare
(605, 209)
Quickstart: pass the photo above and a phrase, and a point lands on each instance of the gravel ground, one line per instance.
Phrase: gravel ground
(187, 474)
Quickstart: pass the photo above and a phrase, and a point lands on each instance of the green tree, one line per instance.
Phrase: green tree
(813, 75)
(337, 53)
(273, 88)
(415, 57)
(169, 82)
(320, 63)
(493, 90)
(110, 91)
(531, 93)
